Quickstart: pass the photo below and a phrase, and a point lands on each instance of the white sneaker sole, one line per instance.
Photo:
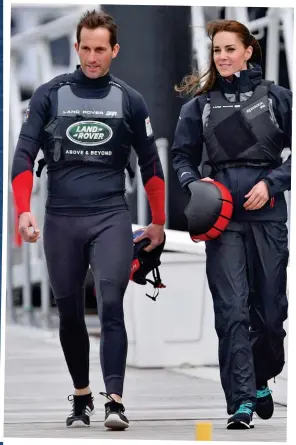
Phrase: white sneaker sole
(80, 423)
(114, 422)
(240, 426)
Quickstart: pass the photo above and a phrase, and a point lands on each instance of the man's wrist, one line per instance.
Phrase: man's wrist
(22, 212)
(158, 223)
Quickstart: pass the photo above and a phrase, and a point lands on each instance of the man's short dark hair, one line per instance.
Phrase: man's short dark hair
(97, 19)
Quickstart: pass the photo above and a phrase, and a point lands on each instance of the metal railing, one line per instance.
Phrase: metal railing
(277, 21)
(30, 268)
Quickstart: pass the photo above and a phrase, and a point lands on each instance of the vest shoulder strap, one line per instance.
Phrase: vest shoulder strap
(216, 96)
(267, 83)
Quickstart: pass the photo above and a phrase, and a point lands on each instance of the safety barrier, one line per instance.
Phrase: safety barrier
(277, 21)
(185, 302)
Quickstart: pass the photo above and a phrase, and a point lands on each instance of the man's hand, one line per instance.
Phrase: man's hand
(257, 196)
(189, 186)
(155, 233)
(207, 179)
(26, 221)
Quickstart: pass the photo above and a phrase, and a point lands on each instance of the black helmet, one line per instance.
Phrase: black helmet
(145, 262)
(209, 210)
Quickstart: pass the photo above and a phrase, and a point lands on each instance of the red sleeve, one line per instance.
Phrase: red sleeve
(22, 186)
(155, 189)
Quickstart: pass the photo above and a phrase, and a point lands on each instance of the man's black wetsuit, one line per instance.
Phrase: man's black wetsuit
(86, 128)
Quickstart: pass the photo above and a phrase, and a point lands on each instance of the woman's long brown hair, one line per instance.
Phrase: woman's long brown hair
(191, 84)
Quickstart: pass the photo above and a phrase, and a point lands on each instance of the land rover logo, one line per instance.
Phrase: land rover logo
(89, 133)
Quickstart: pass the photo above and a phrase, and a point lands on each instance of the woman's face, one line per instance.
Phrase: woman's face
(229, 53)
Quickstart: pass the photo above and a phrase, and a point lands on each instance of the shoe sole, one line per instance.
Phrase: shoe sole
(239, 425)
(114, 422)
(80, 423)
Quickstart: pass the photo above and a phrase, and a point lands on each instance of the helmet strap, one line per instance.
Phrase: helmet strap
(154, 296)
(157, 284)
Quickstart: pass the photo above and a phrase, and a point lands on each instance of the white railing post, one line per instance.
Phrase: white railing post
(287, 16)
(273, 46)
(238, 13)
(15, 113)
(141, 200)
(10, 310)
(44, 65)
(162, 146)
(200, 41)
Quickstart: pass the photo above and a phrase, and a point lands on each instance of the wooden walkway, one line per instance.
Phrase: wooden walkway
(160, 404)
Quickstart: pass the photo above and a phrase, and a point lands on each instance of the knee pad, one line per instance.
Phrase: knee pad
(71, 310)
(110, 303)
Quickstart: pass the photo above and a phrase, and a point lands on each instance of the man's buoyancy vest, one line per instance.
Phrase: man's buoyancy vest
(89, 130)
(242, 133)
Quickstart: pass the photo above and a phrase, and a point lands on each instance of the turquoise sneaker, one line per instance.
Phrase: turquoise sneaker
(264, 406)
(242, 419)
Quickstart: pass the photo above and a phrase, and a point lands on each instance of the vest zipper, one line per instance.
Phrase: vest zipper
(238, 92)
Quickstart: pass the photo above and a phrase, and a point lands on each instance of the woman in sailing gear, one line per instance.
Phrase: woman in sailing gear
(245, 123)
